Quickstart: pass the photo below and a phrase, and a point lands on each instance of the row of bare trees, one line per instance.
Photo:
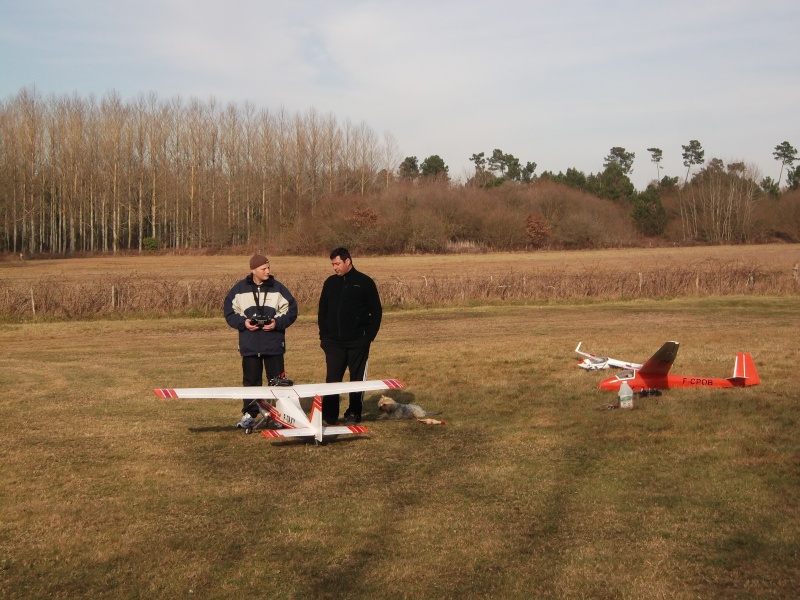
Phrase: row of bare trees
(78, 174)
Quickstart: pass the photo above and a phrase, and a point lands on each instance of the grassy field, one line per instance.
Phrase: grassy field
(188, 267)
(531, 489)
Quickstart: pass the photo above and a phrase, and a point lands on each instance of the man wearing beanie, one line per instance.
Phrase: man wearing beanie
(261, 308)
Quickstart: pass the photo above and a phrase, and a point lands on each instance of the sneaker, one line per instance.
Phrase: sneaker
(281, 380)
(351, 418)
(247, 422)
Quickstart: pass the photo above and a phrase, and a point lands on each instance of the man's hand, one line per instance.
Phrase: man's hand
(251, 327)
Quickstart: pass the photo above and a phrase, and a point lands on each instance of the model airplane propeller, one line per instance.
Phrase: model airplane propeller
(282, 404)
(655, 374)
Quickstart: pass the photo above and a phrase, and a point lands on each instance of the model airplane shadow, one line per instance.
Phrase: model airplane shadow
(212, 429)
(284, 442)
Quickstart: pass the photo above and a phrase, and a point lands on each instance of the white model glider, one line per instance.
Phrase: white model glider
(592, 362)
(282, 404)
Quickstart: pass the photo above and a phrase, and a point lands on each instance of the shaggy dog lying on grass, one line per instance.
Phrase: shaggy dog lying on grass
(395, 410)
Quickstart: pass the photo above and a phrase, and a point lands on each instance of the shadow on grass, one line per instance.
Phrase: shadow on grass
(214, 429)
(299, 441)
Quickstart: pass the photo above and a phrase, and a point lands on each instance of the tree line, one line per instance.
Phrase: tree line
(78, 174)
(86, 175)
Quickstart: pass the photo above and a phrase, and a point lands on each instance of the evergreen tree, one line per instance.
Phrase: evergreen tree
(693, 154)
(787, 154)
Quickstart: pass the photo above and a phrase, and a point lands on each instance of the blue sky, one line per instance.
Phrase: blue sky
(556, 83)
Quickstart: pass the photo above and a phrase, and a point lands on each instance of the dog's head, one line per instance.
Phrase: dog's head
(386, 404)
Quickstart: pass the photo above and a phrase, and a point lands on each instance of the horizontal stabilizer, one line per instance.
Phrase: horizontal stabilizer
(296, 432)
(309, 432)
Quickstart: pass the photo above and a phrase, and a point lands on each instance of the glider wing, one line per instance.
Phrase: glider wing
(661, 362)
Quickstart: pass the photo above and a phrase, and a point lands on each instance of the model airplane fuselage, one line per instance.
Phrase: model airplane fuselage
(282, 404)
(655, 374)
(593, 362)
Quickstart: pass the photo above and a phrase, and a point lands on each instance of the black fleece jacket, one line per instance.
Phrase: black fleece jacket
(349, 309)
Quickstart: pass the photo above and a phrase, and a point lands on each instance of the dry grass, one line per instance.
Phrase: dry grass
(196, 285)
(528, 491)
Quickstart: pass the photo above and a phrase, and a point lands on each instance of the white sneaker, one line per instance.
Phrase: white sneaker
(247, 422)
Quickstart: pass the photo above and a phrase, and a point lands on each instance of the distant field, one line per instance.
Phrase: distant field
(195, 285)
(533, 488)
(183, 267)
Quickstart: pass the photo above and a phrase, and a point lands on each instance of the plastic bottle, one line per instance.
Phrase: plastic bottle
(625, 395)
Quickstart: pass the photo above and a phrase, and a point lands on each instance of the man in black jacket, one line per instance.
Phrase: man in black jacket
(261, 309)
(349, 318)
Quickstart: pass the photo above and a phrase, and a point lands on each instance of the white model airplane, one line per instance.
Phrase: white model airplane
(282, 404)
(592, 362)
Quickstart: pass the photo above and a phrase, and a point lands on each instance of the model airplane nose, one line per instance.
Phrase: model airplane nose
(611, 384)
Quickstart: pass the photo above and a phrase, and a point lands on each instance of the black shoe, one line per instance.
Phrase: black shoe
(352, 417)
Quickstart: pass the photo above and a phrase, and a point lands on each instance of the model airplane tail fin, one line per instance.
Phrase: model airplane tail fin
(744, 371)
(316, 418)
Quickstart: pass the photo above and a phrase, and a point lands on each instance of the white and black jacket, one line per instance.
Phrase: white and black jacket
(270, 299)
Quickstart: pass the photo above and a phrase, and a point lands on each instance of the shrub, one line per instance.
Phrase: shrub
(538, 230)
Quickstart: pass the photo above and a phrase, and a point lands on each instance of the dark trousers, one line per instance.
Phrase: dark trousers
(252, 374)
(338, 358)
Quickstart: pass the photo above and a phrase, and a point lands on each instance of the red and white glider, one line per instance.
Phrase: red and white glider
(655, 374)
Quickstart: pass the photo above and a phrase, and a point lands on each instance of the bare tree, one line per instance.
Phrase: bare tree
(267, 150)
(391, 157)
(331, 151)
(718, 205)
(314, 132)
(368, 154)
